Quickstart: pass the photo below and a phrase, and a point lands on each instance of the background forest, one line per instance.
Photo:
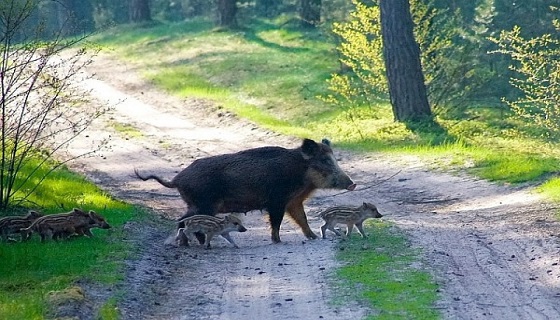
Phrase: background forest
(490, 68)
(460, 30)
(473, 53)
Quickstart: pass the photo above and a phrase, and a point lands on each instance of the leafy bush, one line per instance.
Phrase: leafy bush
(537, 69)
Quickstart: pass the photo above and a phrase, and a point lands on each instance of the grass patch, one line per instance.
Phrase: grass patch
(551, 189)
(380, 271)
(109, 310)
(30, 270)
(127, 130)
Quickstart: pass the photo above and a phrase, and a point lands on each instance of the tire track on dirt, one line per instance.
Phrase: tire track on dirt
(493, 249)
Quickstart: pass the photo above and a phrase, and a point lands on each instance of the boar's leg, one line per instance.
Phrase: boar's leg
(181, 238)
(361, 229)
(201, 237)
(226, 236)
(208, 239)
(295, 210)
(349, 228)
(329, 226)
(276, 217)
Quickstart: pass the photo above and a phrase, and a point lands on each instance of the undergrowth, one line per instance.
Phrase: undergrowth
(381, 272)
(29, 271)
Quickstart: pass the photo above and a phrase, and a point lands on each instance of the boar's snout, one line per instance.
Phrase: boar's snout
(105, 225)
(344, 182)
(241, 228)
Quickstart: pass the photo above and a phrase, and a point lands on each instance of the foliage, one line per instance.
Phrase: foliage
(362, 78)
(271, 75)
(39, 106)
(31, 269)
(450, 70)
(537, 77)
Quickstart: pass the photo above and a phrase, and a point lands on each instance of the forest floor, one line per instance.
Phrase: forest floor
(492, 249)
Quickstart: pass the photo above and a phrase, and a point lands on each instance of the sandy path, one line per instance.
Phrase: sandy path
(493, 249)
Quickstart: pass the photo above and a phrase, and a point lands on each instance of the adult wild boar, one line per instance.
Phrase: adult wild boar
(275, 179)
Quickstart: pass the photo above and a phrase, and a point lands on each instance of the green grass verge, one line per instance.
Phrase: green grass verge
(380, 271)
(30, 270)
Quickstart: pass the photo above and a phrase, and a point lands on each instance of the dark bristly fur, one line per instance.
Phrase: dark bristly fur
(13, 224)
(63, 225)
(273, 179)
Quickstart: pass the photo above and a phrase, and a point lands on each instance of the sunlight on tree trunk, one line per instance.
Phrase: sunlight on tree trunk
(407, 89)
(310, 13)
(227, 10)
(139, 11)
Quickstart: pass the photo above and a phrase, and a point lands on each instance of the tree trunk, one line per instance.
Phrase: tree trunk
(310, 13)
(407, 89)
(266, 8)
(226, 13)
(139, 11)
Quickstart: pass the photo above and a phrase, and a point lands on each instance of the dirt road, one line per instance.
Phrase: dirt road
(492, 249)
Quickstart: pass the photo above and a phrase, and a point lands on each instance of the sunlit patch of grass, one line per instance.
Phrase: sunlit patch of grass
(381, 272)
(127, 130)
(551, 189)
(109, 310)
(28, 270)
(512, 168)
(16, 303)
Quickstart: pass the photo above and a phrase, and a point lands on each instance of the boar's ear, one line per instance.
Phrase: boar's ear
(326, 141)
(309, 148)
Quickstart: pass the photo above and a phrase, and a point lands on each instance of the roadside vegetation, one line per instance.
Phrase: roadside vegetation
(32, 271)
(383, 271)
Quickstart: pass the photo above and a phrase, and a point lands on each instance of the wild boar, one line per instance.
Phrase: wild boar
(62, 225)
(211, 226)
(13, 224)
(349, 216)
(271, 178)
(96, 221)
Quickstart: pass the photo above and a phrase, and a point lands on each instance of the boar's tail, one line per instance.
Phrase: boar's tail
(163, 182)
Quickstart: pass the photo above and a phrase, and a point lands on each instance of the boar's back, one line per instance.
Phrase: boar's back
(248, 180)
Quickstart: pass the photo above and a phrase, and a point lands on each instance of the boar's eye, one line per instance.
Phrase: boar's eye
(326, 163)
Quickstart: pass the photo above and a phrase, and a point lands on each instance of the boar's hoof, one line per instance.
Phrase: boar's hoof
(182, 240)
(311, 236)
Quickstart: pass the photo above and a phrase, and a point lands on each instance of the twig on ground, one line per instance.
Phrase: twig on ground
(367, 187)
